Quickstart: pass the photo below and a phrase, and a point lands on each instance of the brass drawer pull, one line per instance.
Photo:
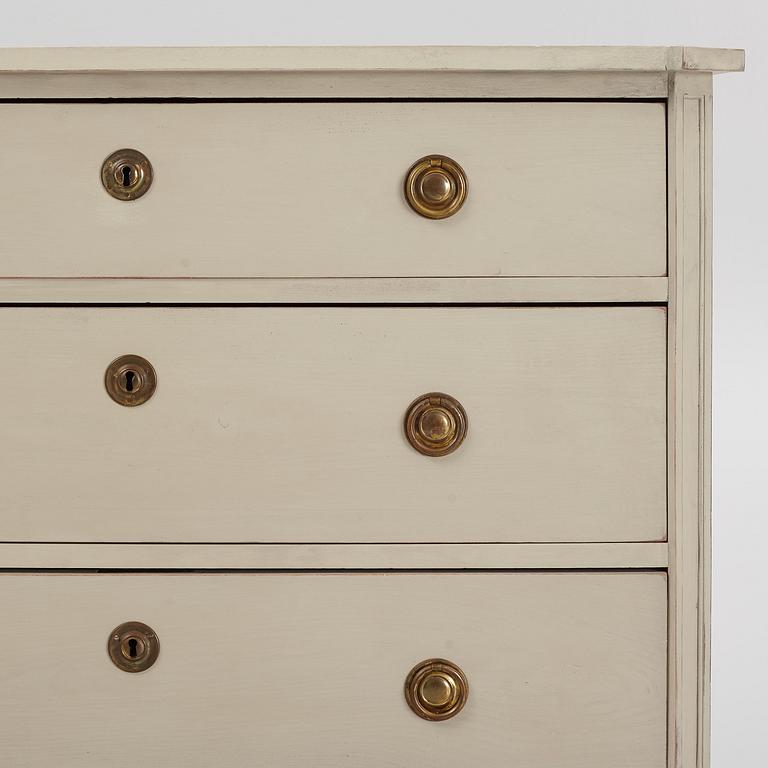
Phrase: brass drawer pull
(126, 174)
(133, 646)
(436, 689)
(436, 187)
(130, 380)
(436, 424)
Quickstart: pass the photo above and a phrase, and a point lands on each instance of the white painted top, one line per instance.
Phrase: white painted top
(412, 59)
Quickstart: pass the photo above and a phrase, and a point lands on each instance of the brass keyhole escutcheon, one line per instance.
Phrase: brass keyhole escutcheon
(436, 424)
(436, 689)
(133, 646)
(126, 174)
(436, 187)
(130, 380)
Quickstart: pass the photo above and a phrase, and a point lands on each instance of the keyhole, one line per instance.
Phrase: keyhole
(130, 380)
(133, 648)
(127, 175)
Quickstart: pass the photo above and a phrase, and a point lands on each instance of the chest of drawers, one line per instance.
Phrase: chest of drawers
(356, 407)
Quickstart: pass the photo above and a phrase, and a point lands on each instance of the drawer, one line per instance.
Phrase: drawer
(316, 189)
(565, 669)
(287, 424)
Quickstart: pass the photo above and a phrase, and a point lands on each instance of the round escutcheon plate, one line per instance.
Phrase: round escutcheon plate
(127, 174)
(133, 646)
(130, 380)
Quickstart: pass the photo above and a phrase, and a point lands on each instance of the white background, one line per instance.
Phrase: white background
(740, 590)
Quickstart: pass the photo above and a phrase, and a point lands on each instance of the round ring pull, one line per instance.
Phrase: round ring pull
(133, 646)
(436, 424)
(130, 380)
(436, 187)
(126, 174)
(436, 689)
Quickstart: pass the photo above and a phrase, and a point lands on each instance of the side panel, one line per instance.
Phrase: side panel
(690, 169)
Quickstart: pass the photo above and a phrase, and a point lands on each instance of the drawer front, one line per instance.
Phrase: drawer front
(316, 189)
(287, 424)
(565, 669)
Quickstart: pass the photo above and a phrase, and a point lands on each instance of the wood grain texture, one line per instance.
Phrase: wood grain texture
(313, 190)
(325, 59)
(330, 290)
(285, 424)
(334, 556)
(565, 670)
(712, 59)
(690, 143)
(335, 84)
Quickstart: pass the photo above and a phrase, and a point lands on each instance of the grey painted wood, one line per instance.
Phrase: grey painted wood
(315, 190)
(285, 425)
(291, 670)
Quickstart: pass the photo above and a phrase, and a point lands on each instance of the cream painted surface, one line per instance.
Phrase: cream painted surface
(336, 84)
(432, 59)
(284, 428)
(340, 556)
(690, 406)
(291, 670)
(285, 424)
(315, 189)
(340, 290)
